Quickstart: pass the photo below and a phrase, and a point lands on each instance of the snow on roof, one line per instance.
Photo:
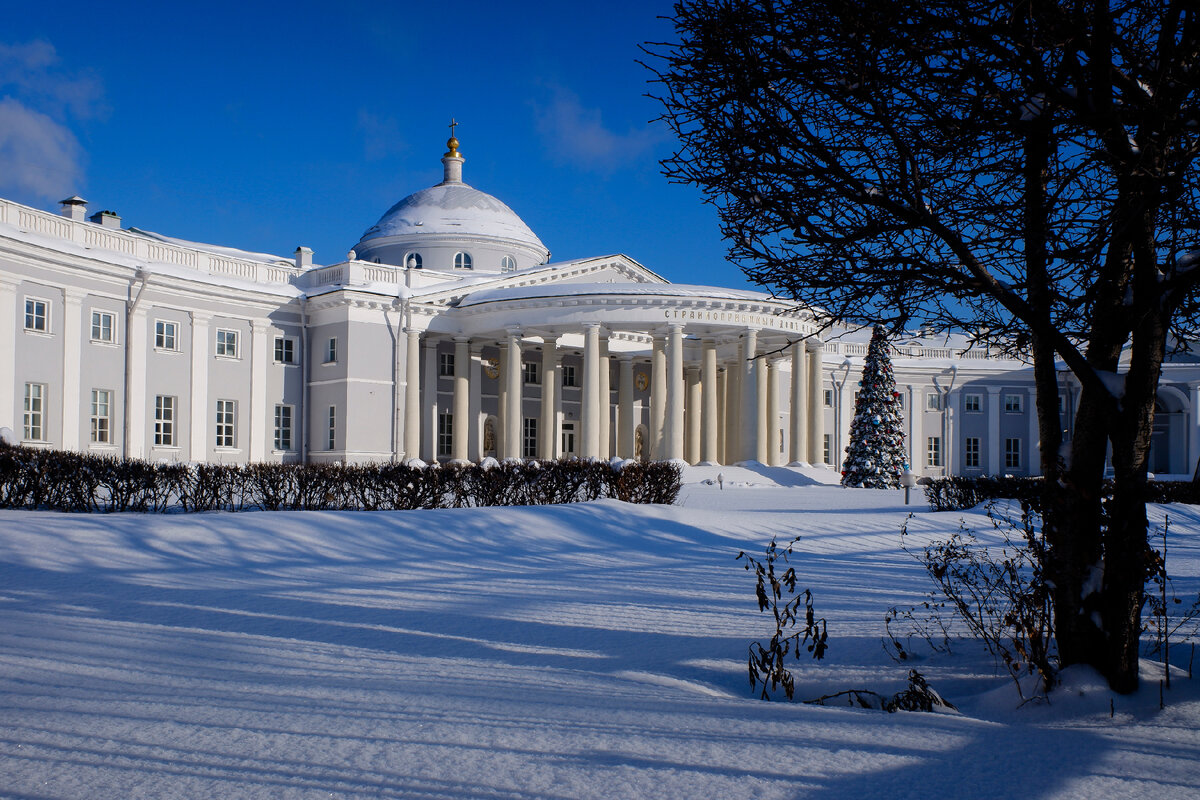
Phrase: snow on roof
(231, 252)
(614, 289)
(454, 208)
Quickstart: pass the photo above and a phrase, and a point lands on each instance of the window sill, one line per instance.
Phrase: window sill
(174, 350)
(36, 443)
(105, 343)
(219, 357)
(35, 332)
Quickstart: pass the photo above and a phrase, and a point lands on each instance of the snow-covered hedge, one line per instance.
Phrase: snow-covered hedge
(958, 493)
(65, 481)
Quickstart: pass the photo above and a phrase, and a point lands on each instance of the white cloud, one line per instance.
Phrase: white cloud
(38, 155)
(381, 135)
(576, 134)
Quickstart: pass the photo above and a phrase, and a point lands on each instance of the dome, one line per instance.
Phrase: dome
(452, 226)
(453, 208)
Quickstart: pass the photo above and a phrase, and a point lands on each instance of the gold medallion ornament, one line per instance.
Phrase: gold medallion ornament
(492, 367)
(641, 381)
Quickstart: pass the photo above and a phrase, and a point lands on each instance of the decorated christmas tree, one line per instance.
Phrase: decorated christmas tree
(875, 456)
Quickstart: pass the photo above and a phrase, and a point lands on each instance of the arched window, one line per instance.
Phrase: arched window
(412, 260)
(462, 261)
(508, 264)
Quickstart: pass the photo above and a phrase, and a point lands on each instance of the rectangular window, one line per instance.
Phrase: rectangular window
(35, 412)
(332, 441)
(226, 415)
(1012, 453)
(568, 373)
(972, 451)
(166, 335)
(568, 438)
(530, 370)
(934, 451)
(827, 394)
(529, 438)
(227, 343)
(283, 427)
(1062, 404)
(445, 433)
(37, 315)
(1014, 403)
(101, 416)
(972, 402)
(164, 421)
(933, 401)
(331, 350)
(827, 449)
(102, 326)
(446, 365)
(285, 350)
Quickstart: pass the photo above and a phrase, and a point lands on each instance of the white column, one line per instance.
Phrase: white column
(605, 392)
(798, 401)
(430, 409)
(917, 449)
(260, 421)
(501, 399)
(198, 403)
(626, 425)
(692, 414)
(675, 392)
(590, 392)
(658, 397)
(762, 374)
(512, 384)
(1193, 428)
(709, 451)
(751, 418)
(462, 398)
(72, 332)
(8, 357)
(995, 446)
(1033, 464)
(474, 412)
(136, 399)
(722, 420)
(773, 438)
(816, 404)
(412, 394)
(733, 403)
(548, 436)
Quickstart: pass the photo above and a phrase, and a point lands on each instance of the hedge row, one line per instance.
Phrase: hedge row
(64, 481)
(954, 494)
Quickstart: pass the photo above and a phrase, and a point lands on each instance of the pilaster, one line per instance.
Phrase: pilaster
(72, 333)
(198, 402)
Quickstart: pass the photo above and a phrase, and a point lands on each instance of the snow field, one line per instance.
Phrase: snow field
(588, 651)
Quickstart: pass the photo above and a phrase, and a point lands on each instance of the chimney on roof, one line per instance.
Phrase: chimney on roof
(303, 257)
(74, 207)
(109, 219)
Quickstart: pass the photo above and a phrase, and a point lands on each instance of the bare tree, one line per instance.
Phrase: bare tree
(1025, 170)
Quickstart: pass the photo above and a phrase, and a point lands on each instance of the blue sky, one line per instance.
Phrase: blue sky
(267, 126)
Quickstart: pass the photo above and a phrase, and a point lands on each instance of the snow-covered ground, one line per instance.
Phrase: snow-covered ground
(589, 651)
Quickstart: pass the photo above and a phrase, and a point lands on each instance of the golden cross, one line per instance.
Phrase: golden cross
(452, 124)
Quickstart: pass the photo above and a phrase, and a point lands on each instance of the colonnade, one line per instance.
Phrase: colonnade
(702, 412)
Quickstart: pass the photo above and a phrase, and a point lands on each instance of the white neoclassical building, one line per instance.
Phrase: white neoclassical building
(448, 334)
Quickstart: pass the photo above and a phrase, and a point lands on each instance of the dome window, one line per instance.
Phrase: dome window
(508, 264)
(412, 260)
(462, 261)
